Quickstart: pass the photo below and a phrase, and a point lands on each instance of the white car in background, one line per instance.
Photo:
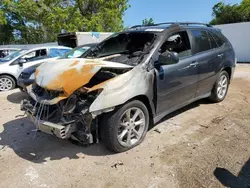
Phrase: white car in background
(12, 65)
(7, 51)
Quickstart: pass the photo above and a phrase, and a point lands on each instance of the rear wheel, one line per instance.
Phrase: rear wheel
(220, 89)
(7, 83)
(125, 128)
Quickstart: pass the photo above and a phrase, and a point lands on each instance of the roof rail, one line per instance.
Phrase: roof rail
(172, 23)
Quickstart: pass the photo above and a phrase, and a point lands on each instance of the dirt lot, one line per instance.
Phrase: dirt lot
(202, 145)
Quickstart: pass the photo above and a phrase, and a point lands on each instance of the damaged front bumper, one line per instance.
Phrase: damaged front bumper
(77, 128)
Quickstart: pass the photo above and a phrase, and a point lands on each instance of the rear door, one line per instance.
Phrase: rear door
(176, 83)
(207, 60)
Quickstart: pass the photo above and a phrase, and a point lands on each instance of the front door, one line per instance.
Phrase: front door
(176, 83)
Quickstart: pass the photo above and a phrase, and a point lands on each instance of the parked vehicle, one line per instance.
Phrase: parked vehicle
(7, 51)
(27, 77)
(132, 79)
(12, 65)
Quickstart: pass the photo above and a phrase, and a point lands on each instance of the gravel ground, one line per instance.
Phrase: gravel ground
(201, 145)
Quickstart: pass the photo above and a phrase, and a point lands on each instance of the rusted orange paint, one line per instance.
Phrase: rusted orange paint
(72, 79)
(36, 73)
(75, 63)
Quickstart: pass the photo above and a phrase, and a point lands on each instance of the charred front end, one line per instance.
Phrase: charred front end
(66, 114)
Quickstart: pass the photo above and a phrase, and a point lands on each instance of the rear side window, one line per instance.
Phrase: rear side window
(201, 41)
(219, 39)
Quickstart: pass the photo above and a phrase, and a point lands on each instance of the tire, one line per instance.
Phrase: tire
(112, 127)
(217, 96)
(7, 83)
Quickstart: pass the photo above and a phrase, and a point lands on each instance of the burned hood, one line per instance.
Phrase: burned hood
(70, 74)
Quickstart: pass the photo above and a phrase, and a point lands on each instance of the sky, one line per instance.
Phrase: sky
(171, 10)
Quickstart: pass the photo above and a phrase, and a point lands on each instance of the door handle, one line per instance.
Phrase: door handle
(220, 55)
(194, 64)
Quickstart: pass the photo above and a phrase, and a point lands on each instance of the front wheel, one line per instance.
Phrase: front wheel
(126, 127)
(220, 89)
(7, 83)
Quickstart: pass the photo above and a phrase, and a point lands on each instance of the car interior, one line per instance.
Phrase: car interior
(179, 43)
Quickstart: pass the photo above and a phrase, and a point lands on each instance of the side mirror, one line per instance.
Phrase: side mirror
(21, 62)
(168, 58)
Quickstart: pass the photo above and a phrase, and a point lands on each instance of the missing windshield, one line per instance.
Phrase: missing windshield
(126, 48)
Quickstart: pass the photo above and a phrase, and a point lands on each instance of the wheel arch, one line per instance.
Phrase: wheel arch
(229, 72)
(150, 106)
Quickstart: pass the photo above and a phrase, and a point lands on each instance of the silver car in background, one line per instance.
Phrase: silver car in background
(12, 65)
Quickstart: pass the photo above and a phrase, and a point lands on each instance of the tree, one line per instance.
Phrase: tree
(149, 21)
(37, 21)
(226, 13)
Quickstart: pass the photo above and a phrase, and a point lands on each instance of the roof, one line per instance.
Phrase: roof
(163, 26)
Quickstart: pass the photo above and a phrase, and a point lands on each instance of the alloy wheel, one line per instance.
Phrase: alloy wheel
(131, 128)
(222, 87)
(5, 84)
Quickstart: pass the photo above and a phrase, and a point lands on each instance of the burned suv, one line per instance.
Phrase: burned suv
(129, 81)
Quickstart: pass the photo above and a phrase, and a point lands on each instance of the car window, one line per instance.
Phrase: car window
(201, 41)
(123, 43)
(56, 52)
(177, 42)
(220, 41)
(12, 56)
(213, 43)
(34, 55)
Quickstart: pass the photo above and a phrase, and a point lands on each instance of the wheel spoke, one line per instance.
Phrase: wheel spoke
(121, 136)
(224, 81)
(137, 113)
(123, 124)
(222, 93)
(128, 113)
(128, 142)
(140, 122)
(136, 134)
(219, 89)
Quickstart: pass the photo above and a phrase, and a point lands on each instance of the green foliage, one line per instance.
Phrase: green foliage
(226, 13)
(37, 21)
(149, 21)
